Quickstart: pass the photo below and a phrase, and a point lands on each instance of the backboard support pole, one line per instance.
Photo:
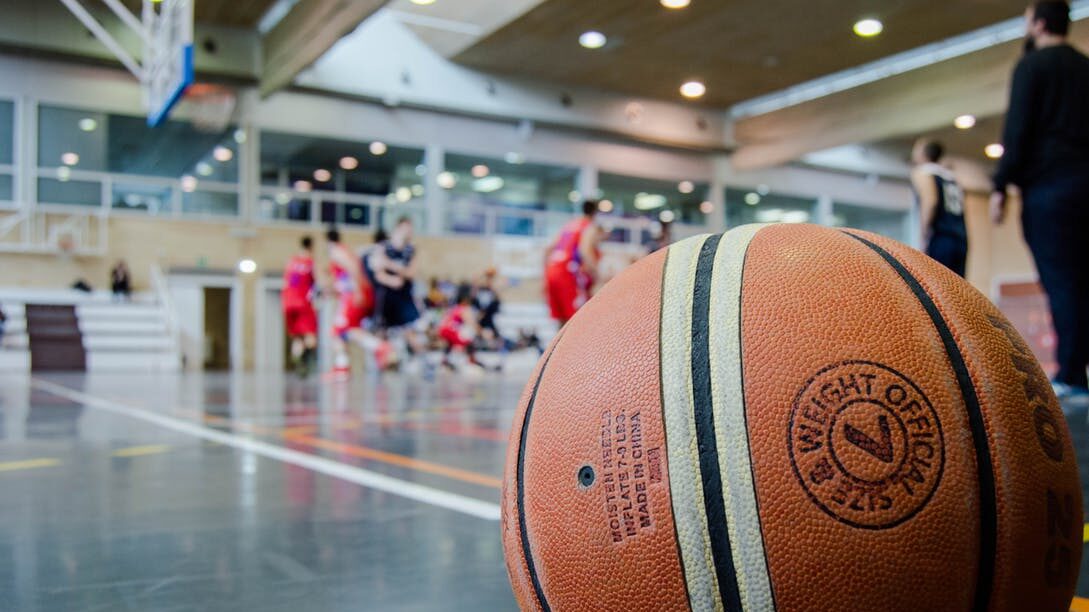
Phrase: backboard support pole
(105, 37)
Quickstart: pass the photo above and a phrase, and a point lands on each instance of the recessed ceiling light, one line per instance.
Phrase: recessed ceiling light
(592, 39)
(240, 136)
(605, 206)
(349, 163)
(205, 169)
(763, 190)
(514, 158)
(488, 184)
(707, 207)
(222, 154)
(752, 198)
(189, 183)
(693, 89)
(70, 159)
(666, 216)
(247, 266)
(417, 190)
(88, 124)
(303, 186)
(378, 148)
(676, 4)
(964, 122)
(867, 28)
(446, 180)
(64, 173)
(686, 187)
(994, 150)
(480, 171)
(322, 175)
(403, 194)
(649, 201)
(423, 2)
(574, 197)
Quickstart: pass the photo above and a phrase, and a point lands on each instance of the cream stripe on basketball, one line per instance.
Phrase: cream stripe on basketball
(731, 432)
(685, 483)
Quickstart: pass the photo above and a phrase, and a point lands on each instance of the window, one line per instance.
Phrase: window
(474, 180)
(336, 181)
(90, 158)
(639, 197)
(7, 151)
(744, 206)
(890, 223)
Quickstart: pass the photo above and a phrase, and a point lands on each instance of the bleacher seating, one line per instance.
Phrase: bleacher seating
(116, 335)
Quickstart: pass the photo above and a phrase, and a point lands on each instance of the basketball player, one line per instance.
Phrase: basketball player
(571, 264)
(299, 315)
(941, 206)
(458, 328)
(355, 298)
(1046, 141)
(393, 264)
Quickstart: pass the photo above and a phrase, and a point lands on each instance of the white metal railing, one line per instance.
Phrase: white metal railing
(166, 303)
(150, 195)
(75, 232)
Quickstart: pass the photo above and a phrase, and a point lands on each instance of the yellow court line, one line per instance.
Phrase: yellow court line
(11, 466)
(1079, 604)
(139, 451)
(1085, 533)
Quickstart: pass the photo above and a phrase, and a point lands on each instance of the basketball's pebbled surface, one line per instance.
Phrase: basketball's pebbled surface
(790, 417)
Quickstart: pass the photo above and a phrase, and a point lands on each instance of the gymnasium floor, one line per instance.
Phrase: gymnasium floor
(218, 492)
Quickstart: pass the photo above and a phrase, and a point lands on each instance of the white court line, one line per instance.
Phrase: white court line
(366, 478)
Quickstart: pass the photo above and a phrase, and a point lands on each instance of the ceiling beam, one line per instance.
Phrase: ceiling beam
(904, 105)
(907, 104)
(303, 35)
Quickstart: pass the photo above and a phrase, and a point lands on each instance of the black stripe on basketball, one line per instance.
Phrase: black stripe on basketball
(714, 505)
(526, 553)
(988, 514)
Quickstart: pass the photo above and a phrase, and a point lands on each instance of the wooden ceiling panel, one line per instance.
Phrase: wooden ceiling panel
(740, 48)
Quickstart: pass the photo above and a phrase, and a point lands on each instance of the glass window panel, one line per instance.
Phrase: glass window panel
(514, 225)
(210, 203)
(7, 189)
(641, 197)
(330, 213)
(58, 191)
(7, 132)
(340, 165)
(745, 206)
(495, 182)
(125, 144)
(465, 222)
(891, 223)
(153, 199)
(357, 214)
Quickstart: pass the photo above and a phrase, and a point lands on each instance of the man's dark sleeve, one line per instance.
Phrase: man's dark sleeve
(1019, 118)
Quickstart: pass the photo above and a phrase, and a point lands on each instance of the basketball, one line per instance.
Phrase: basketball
(790, 417)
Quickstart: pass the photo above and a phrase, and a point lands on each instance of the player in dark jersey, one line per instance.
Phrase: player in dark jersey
(941, 207)
(299, 316)
(393, 264)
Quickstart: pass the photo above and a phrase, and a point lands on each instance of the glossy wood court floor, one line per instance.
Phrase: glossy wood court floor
(208, 492)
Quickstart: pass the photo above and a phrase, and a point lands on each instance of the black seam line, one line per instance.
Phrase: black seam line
(745, 416)
(526, 553)
(714, 505)
(988, 516)
(665, 430)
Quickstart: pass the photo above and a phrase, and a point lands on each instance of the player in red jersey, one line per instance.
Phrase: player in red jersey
(571, 264)
(355, 296)
(299, 315)
(458, 328)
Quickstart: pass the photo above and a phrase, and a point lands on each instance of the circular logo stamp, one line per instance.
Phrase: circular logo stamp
(865, 444)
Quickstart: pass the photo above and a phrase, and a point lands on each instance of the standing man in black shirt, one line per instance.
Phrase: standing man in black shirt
(1046, 142)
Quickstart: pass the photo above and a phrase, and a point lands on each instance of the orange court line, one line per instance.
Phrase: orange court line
(398, 460)
(299, 436)
(1079, 604)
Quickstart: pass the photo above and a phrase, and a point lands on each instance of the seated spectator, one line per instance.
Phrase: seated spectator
(120, 282)
(435, 298)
